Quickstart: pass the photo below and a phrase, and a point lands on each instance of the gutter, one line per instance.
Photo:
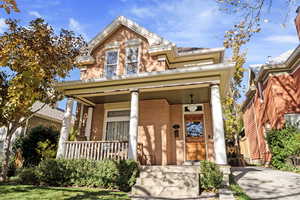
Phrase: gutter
(143, 76)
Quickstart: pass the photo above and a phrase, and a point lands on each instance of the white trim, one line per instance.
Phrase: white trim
(196, 112)
(202, 112)
(112, 45)
(121, 20)
(204, 68)
(295, 69)
(133, 42)
(105, 119)
(105, 63)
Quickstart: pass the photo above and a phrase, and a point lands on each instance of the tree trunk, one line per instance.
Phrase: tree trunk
(5, 163)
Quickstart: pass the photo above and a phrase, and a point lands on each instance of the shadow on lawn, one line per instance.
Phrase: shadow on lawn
(84, 193)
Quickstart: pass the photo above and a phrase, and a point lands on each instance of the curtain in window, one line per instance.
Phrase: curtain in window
(117, 130)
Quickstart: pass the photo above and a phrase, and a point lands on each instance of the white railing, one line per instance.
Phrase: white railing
(96, 150)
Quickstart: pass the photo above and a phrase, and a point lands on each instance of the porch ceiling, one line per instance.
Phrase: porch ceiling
(173, 96)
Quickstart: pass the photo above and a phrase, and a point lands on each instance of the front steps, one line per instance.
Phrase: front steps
(160, 182)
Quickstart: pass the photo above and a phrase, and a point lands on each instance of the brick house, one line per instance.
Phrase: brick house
(272, 99)
(142, 97)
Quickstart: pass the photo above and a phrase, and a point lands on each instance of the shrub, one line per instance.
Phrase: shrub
(129, 172)
(28, 176)
(53, 172)
(106, 174)
(210, 176)
(38, 144)
(283, 143)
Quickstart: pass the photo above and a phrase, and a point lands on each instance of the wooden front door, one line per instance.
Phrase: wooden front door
(194, 137)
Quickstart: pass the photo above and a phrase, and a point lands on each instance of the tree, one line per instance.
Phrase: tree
(32, 59)
(9, 5)
(252, 16)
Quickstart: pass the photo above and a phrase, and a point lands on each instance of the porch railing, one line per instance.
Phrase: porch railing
(96, 150)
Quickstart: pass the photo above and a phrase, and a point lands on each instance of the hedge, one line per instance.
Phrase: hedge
(105, 174)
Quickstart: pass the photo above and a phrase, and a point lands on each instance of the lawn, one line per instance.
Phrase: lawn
(22, 192)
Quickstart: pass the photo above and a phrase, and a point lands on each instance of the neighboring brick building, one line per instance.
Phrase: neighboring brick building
(272, 99)
(138, 88)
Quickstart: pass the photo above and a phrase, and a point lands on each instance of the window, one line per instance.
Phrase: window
(293, 119)
(194, 129)
(132, 57)
(117, 125)
(111, 63)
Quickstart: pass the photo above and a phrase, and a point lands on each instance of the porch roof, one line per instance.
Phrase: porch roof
(180, 78)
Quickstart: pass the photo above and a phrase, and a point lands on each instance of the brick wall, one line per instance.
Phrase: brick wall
(147, 63)
(280, 96)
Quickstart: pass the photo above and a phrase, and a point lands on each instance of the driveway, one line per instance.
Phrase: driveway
(265, 183)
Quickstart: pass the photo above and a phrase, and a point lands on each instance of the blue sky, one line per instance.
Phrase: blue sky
(195, 23)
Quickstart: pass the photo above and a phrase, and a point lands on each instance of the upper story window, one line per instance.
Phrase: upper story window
(132, 60)
(111, 63)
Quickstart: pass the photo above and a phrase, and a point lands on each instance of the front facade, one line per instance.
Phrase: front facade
(272, 100)
(141, 95)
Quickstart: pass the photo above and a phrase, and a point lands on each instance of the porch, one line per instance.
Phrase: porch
(99, 150)
(162, 119)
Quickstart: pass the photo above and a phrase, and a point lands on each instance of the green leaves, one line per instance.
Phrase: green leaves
(210, 176)
(283, 143)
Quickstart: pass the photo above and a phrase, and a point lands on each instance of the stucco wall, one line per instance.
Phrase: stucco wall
(280, 96)
(97, 122)
(209, 131)
(177, 154)
(147, 63)
(155, 132)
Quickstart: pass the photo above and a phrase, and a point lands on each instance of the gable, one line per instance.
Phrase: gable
(152, 38)
(121, 39)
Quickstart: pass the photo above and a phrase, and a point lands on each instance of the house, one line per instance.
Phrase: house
(47, 117)
(272, 99)
(141, 94)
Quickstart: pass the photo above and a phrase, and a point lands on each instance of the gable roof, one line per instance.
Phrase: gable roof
(152, 38)
(47, 112)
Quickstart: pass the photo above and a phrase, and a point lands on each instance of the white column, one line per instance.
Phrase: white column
(218, 126)
(88, 126)
(133, 127)
(65, 128)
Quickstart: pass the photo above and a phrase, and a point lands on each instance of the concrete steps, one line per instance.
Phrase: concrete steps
(161, 182)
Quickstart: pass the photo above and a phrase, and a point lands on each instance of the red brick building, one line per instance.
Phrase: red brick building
(272, 99)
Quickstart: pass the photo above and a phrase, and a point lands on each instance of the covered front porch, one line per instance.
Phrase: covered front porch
(174, 120)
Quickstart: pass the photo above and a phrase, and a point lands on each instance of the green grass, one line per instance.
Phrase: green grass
(24, 192)
(238, 192)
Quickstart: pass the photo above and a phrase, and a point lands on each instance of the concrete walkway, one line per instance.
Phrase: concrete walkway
(265, 183)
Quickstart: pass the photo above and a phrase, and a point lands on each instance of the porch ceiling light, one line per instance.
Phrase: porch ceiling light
(192, 107)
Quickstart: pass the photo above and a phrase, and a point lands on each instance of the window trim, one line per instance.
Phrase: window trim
(106, 65)
(106, 119)
(138, 58)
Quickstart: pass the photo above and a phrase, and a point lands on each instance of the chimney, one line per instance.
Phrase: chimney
(297, 21)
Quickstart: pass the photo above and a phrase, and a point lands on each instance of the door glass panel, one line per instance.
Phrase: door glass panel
(194, 129)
